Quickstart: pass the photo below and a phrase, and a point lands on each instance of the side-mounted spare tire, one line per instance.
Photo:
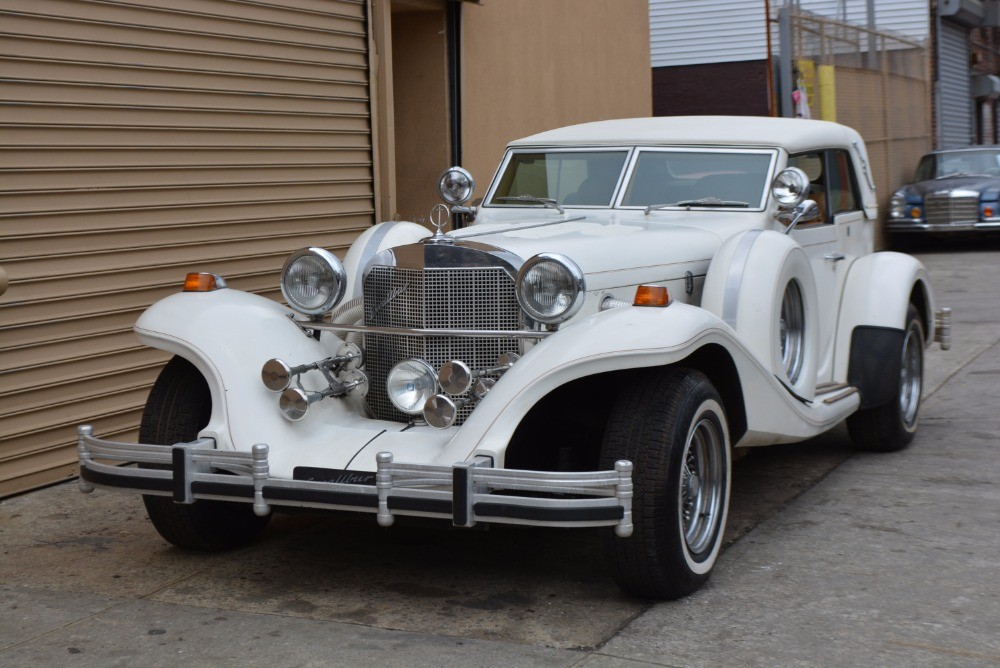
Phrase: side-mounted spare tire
(178, 407)
(672, 425)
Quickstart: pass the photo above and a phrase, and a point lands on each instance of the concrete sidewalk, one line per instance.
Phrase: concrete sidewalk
(890, 560)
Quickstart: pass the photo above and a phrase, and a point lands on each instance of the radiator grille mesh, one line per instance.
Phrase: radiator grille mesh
(453, 298)
(944, 210)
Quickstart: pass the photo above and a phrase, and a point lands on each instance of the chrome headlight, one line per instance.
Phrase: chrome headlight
(456, 185)
(410, 384)
(313, 281)
(790, 187)
(550, 288)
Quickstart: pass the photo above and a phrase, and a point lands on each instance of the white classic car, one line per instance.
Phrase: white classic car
(632, 300)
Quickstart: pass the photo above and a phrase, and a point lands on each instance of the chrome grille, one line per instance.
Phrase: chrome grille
(945, 210)
(435, 298)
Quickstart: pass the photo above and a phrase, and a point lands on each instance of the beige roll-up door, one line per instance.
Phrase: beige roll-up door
(140, 140)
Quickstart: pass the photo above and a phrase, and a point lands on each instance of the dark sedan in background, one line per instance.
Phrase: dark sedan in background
(956, 190)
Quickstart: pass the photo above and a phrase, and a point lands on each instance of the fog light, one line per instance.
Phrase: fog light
(410, 384)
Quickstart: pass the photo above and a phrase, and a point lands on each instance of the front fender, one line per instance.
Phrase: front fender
(228, 335)
(877, 293)
(632, 338)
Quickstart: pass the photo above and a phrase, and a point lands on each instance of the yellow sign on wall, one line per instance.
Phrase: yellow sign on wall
(818, 83)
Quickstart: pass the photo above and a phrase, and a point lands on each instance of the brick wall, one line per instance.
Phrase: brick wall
(738, 88)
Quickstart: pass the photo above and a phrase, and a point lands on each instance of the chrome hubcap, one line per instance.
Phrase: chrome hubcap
(792, 331)
(702, 485)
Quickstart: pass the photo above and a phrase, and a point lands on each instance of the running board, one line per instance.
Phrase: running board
(831, 393)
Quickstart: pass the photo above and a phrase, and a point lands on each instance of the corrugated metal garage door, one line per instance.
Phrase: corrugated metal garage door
(955, 94)
(142, 139)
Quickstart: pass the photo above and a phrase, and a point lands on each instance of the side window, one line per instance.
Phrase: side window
(813, 165)
(842, 184)
(832, 183)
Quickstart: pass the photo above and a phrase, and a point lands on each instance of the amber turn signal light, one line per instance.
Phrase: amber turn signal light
(203, 282)
(651, 295)
(988, 212)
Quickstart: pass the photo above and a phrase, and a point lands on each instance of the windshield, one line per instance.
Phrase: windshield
(570, 178)
(958, 163)
(698, 177)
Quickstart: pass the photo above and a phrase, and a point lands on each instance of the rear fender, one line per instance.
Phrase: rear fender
(877, 294)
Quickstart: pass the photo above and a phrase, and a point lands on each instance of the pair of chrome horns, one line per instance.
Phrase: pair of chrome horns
(415, 389)
(313, 281)
(340, 371)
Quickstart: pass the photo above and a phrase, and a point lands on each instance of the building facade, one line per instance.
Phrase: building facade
(143, 139)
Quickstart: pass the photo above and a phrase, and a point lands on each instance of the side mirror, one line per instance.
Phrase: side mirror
(806, 211)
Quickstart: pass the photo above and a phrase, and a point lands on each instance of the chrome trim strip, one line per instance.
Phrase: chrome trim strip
(731, 294)
(406, 331)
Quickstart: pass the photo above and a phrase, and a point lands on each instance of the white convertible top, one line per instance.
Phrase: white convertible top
(794, 134)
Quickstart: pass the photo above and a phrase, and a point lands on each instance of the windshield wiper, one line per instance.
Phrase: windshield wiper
(704, 201)
(531, 199)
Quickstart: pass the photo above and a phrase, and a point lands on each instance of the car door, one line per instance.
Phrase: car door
(832, 241)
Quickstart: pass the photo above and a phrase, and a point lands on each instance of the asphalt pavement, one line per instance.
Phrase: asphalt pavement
(833, 558)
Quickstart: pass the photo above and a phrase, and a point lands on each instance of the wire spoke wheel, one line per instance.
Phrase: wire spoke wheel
(911, 375)
(702, 485)
(670, 423)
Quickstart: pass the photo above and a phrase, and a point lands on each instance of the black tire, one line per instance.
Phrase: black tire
(892, 425)
(667, 422)
(178, 407)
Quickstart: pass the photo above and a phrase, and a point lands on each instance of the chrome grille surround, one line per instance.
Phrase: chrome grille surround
(437, 286)
(959, 207)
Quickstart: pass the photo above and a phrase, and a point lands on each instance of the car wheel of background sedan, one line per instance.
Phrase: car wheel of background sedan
(671, 425)
(891, 426)
(178, 407)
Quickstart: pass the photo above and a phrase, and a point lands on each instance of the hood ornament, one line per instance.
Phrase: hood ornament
(440, 215)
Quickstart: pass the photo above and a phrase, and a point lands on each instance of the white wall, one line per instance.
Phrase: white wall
(691, 32)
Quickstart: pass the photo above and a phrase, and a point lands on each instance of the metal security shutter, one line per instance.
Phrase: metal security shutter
(695, 33)
(955, 87)
(142, 139)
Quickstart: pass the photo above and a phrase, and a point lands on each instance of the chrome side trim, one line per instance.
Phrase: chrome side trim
(734, 280)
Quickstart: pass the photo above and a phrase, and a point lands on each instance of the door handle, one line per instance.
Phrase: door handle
(834, 257)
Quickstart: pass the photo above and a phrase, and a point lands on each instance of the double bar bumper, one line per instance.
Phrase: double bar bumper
(466, 493)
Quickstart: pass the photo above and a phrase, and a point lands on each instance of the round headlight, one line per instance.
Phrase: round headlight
(790, 187)
(313, 281)
(456, 185)
(410, 384)
(550, 288)
(897, 206)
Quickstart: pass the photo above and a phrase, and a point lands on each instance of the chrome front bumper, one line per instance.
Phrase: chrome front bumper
(463, 493)
(910, 227)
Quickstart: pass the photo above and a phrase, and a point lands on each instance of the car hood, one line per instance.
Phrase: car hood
(980, 184)
(610, 254)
